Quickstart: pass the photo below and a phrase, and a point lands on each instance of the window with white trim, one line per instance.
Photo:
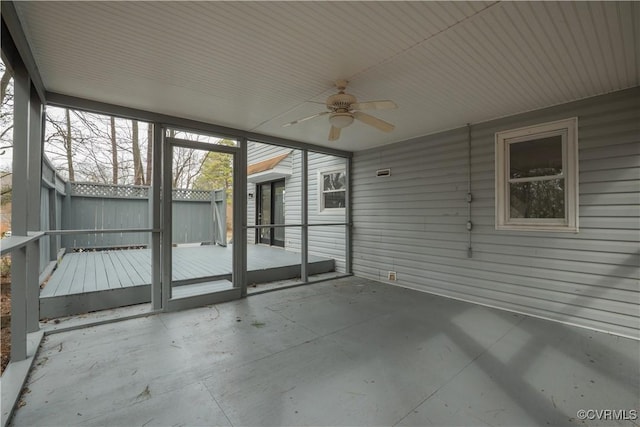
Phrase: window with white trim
(537, 177)
(333, 191)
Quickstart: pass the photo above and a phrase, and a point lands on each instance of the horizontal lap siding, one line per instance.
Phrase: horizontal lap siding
(414, 222)
(326, 241)
(293, 202)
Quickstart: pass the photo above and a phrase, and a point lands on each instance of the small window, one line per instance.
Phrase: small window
(536, 177)
(334, 190)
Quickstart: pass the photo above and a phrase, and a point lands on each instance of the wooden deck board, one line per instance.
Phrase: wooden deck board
(102, 278)
(180, 266)
(132, 267)
(198, 261)
(67, 279)
(77, 283)
(177, 271)
(90, 278)
(93, 280)
(56, 279)
(123, 277)
(143, 259)
(113, 281)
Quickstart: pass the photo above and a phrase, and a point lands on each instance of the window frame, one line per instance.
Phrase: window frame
(321, 191)
(568, 129)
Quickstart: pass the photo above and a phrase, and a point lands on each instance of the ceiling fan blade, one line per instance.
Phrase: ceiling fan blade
(374, 105)
(334, 133)
(373, 121)
(305, 119)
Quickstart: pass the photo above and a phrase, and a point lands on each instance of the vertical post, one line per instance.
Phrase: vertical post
(213, 224)
(240, 217)
(66, 216)
(155, 218)
(167, 226)
(304, 205)
(34, 173)
(469, 196)
(53, 223)
(19, 212)
(349, 219)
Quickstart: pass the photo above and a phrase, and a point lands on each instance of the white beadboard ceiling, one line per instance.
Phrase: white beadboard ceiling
(257, 65)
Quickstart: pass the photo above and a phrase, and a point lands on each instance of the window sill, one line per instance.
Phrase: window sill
(333, 211)
(531, 227)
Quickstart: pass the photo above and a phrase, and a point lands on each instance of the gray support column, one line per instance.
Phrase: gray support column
(349, 219)
(18, 305)
(240, 218)
(34, 173)
(53, 224)
(166, 203)
(213, 219)
(155, 207)
(19, 196)
(65, 214)
(304, 208)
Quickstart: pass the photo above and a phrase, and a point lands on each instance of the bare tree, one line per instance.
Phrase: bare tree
(6, 109)
(187, 164)
(114, 151)
(137, 160)
(4, 83)
(68, 139)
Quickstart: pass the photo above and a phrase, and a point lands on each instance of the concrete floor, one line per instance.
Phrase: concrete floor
(343, 352)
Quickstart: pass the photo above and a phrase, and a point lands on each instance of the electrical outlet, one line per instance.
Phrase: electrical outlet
(391, 276)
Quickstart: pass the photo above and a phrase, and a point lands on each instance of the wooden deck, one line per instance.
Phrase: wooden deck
(90, 281)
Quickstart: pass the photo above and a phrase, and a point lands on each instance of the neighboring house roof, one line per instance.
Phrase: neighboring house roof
(269, 169)
(267, 164)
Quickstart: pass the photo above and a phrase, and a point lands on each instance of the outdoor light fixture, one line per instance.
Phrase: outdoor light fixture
(340, 120)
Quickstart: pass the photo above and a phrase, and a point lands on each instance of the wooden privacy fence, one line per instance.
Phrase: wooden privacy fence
(199, 216)
(104, 206)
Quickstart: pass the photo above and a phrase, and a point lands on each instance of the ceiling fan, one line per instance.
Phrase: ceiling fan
(344, 108)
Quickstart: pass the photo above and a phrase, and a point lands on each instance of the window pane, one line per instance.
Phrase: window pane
(334, 200)
(264, 214)
(537, 157)
(334, 181)
(538, 199)
(278, 209)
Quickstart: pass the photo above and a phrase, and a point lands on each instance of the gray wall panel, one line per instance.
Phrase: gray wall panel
(414, 222)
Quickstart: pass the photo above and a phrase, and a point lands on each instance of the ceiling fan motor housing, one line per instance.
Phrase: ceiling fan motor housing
(340, 102)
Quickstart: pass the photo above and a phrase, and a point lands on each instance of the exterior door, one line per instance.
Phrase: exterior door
(270, 211)
(198, 266)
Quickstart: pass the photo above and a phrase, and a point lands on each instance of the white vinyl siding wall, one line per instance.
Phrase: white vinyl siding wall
(326, 241)
(414, 222)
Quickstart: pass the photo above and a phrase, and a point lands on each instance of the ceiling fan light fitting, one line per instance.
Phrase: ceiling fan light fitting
(340, 120)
